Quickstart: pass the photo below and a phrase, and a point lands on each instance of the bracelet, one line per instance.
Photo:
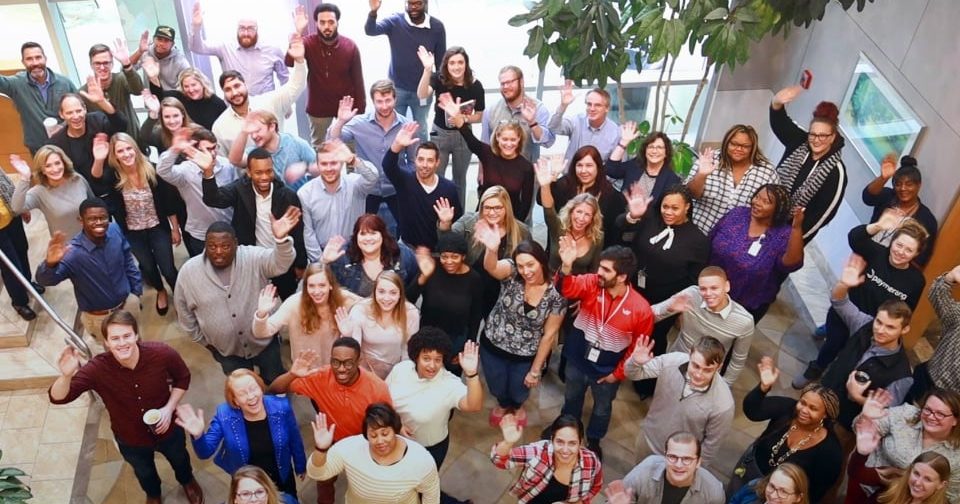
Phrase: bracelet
(474, 375)
(624, 147)
(533, 374)
(534, 124)
(321, 450)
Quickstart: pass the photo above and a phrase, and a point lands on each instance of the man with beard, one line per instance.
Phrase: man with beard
(612, 317)
(342, 390)
(167, 56)
(334, 200)
(99, 263)
(515, 105)
(36, 94)
(407, 31)
(334, 70)
(590, 128)
(373, 133)
(236, 94)
(256, 62)
(294, 160)
(673, 477)
(117, 86)
(258, 200)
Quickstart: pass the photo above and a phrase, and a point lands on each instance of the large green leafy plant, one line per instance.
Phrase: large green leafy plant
(12, 489)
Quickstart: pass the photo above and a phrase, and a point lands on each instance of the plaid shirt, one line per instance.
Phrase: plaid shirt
(536, 460)
(720, 194)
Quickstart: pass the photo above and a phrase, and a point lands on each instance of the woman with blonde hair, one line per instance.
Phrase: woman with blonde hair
(57, 189)
(145, 215)
(309, 315)
(250, 485)
(787, 484)
(924, 482)
(496, 211)
(193, 90)
(580, 220)
(382, 324)
(165, 117)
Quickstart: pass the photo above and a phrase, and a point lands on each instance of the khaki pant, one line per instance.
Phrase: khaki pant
(93, 322)
(318, 129)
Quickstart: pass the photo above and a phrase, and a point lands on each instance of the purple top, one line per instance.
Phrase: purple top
(754, 280)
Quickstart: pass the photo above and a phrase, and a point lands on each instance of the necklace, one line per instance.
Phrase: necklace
(774, 462)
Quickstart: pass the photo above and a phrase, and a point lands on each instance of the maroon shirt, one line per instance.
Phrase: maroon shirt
(333, 72)
(129, 393)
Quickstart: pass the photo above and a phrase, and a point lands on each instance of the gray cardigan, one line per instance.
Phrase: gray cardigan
(646, 480)
(708, 414)
(59, 205)
(222, 316)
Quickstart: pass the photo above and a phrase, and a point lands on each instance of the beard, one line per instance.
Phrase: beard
(331, 38)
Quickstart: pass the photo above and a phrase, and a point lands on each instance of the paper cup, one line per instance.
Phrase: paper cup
(152, 418)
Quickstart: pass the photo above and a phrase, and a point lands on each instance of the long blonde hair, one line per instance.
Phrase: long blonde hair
(513, 235)
(40, 161)
(399, 311)
(196, 74)
(899, 490)
(145, 170)
(595, 229)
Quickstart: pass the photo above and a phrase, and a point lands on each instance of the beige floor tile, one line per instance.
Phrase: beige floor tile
(485, 483)
(19, 445)
(64, 425)
(51, 491)
(56, 461)
(26, 411)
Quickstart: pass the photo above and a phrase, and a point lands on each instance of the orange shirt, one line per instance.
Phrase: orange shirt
(344, 405)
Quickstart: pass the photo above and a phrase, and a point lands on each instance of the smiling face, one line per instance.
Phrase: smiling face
(264, 134)
(608, 276)
(35, 62)
(250, 491)
(121, 341)
(529, 269)
(102, 66)
(781, 490)
(260, 172)
(386, 295)
(95, 221)
(329, 167)
(511, 86)
(457, 67)
(383, 440)
(713, 290)
(417, 10)
(508, 141)
(673, 209)
(318, 288)
(566, 445)
(426, 164)
(682, 463)
(699, 373)
(586, 169)
(581, 217)
(907, 190)
(937, 418)
(924, 481)
(762, 206)
(74, 113)
(127, 156)
(385, 104)
(193, 88)
(220, 249)
(739, 148)
(903, 250)
(493, 211)
(235, 91)
(248, 395)
(597, 108)
(344, 363)
(887, 330)
(327, 26)
(172, 118)
(53, 168)
(820, 138)
(429, 364)
(369, 242)
(656, 152)
(247, 33)
(810, 410)
(162, 47)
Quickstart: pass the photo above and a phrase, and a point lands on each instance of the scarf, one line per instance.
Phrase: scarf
(790, 168)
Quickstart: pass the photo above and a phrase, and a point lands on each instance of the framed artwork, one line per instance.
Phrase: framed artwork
(875, 118)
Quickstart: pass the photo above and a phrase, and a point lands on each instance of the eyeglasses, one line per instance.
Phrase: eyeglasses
(819, 136)
(248, 496)
(656, 147)
(493, 209)
(248, 29)
(779, 492)
(508, 82)
(348, 364)
(740, 146)
(678, 460)
(936, 415)
(107, 64)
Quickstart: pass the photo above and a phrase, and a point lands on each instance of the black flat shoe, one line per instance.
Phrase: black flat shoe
(162, 311)
(39, 288)
(25, 312)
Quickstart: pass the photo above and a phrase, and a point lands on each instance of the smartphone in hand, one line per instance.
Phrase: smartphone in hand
(806, 79)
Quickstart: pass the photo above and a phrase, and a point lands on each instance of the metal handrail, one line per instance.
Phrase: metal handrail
(73, 339)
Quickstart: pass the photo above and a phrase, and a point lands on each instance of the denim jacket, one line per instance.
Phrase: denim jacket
(350, 274)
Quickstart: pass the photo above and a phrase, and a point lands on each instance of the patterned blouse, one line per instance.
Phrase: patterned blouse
(141, 211)
(511, 328)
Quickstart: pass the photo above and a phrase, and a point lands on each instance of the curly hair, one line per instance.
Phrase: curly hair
(595, 229)
(429, 339)
(781, 202)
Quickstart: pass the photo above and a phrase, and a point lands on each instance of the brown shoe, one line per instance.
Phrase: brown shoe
(194, 492)
(154, 500)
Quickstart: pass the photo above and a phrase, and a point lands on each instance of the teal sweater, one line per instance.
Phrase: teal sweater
(31, 105)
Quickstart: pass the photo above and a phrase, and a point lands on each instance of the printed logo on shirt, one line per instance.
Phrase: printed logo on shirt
(873, 277)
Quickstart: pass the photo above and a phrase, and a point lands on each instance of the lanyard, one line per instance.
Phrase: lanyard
(603, 302)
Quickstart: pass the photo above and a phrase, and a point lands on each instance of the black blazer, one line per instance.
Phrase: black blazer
(239, 196)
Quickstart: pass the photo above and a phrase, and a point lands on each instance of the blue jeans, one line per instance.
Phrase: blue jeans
(154, 251)
(451, 143)
(408, 99)
(505, 378)
(268, 361)
(141, 459)
(603, 396)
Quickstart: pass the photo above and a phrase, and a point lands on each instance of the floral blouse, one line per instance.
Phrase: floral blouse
(515, 330)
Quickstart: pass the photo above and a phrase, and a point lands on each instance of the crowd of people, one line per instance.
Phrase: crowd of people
(392, 329)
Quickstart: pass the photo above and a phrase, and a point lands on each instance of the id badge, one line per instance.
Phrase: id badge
(641, 279)
(754, 249)
(593, 354)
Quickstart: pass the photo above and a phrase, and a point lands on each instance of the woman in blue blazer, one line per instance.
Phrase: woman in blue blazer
(250, 428)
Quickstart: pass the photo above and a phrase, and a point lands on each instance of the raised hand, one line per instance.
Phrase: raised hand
(512, 432)
(868, 437)
(954, 274)
(144, 44)
(768, 373)
(302, 365)
(877, 402)
(407, 135)
(618, 493)
(426, 57)
(628, 132)
(334, 249)
(487, 235)
(345, 110)
(470, 358)
(566, 93)
(787, 94)
(197, 18)
(152, 103)
(101, 146)
(707, 163)
(190, 420)
(120, 52)
(56, 249)
(852, 274)
(449, 105)
(267, 300)
(282, 226)
(798, 214)
(151, 67)
(637, 202)
(69, 361)
(528, 110)
(322, 434)
(201, 158)
(21, 166)
(643, 351)
(567, 249)
(342, 317)
(679, 303)
(94, 92)
(250, 125)
(544, 172)
(444, 210)
(888, 166)
(374, 5)
(296, 49)
(889, 220)
(341, 151)
(300, 19)
(425, 261)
